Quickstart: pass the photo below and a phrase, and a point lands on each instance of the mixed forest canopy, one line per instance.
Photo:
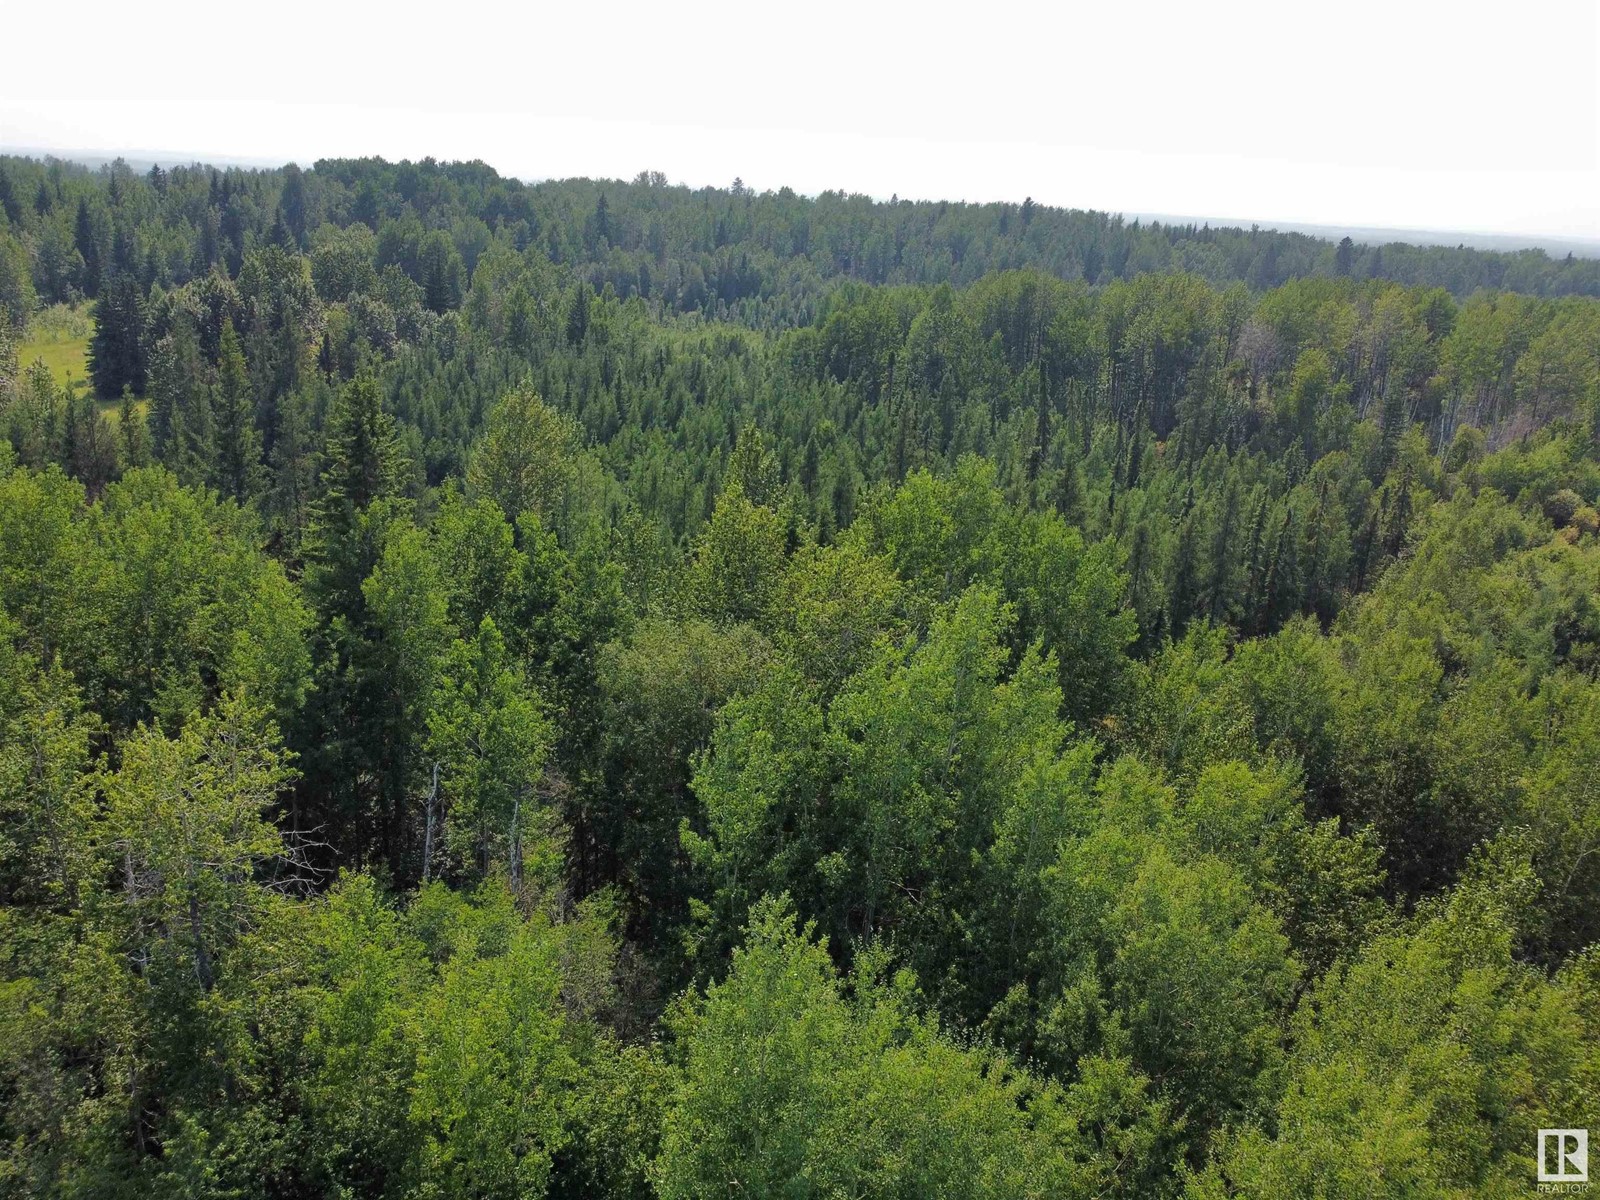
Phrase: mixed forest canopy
(603, 689)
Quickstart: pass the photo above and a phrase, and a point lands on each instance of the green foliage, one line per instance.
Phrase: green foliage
(491, 1066)
(116, 355)
(1152, 667)
(46, 856)
(738, 562)
(490, 740)
(156, 598)
(660, 690)
(524, 463)
(127, 990)
(790, 1087)
(1426, 1066)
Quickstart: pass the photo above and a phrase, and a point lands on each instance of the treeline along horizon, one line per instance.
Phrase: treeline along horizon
(603, 689)
(722, 252)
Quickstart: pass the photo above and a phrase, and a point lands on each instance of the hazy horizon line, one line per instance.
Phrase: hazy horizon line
(1554, 244)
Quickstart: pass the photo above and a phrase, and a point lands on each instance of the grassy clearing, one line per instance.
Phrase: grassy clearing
(60, 337)
(111, 410)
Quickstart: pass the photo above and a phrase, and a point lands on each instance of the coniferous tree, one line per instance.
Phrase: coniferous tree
(89, 448)
(1392, 425)
(810, 466)
(1219, 588)
(1344, 257)
(124, 252)
(1066, 496)
(1041, 431)
(292, 204)
(1281, 589)
(357, 773)
(1294, 465)
(1183, 590)
(1130, 474)
(237, 469)
(10, 204)
(1139, 555)
(1397, 517)
(279, 234)
(1367, 544)
(181, 426)
(578, 314)
(133, 436)
(440, 266)
(116, 352)
(361, 461)
(87, 240)
(1256, 565)
(69, 450)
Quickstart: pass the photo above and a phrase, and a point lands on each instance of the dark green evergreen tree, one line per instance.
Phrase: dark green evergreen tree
(1344, 257)
(237, 470)
(116, 351)
(133, 436)
(86, 237)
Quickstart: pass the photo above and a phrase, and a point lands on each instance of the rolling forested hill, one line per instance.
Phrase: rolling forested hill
(604, 689)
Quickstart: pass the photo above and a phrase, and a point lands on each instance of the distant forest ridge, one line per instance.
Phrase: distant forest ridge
(750, 247)
(1555, 245)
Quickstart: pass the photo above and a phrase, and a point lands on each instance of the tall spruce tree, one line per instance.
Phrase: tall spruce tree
(87, 240)
(360, 466)
(116, 351)
(236, 470)
(1224, 530)
(133, 435)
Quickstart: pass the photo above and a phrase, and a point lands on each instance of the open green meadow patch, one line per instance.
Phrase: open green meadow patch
(60, 337)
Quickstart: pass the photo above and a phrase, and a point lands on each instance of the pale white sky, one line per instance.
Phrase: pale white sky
(1451, 114)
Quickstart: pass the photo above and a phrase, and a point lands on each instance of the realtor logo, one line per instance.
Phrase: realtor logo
(1563, 1156)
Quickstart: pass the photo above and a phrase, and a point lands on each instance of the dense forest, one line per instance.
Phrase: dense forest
(603, 689)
